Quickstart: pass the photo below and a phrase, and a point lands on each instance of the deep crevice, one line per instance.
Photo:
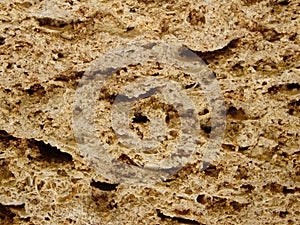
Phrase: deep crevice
(6, 215)
(284, 2)
(50, 153)
(6, 136)
(177, 219)
(283, 214)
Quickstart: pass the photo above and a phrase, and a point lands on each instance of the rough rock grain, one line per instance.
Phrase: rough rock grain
(251, 46)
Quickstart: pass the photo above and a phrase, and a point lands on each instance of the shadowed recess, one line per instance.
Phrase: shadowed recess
(177, 219)
(6, 216)
(50, 22)
(237, 114)
(73, 76)
(211, 55)
(50, 153)
(2, 40)
(139, 118)
(104, 186)
(36, 89)
(6, 136)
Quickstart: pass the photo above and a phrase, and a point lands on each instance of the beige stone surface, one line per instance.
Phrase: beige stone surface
(251, 46)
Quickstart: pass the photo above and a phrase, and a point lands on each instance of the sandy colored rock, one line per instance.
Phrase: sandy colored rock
(252, 50)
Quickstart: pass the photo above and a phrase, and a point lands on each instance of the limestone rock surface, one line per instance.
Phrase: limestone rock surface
(252, 50)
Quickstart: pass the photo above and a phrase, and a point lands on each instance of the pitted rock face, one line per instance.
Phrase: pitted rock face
(48, 48)
(154, 155)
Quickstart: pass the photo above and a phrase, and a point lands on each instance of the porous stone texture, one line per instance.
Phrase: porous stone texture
(252, 48)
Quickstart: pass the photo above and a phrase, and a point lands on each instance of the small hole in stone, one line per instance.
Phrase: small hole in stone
(291, 111)
(284, 2)
(205, 111)
(206, 129)
(9, 65)
(129, 28)
(139, 118)
(201, 199)
(2, 40)
(283, 214)
(167, 119)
